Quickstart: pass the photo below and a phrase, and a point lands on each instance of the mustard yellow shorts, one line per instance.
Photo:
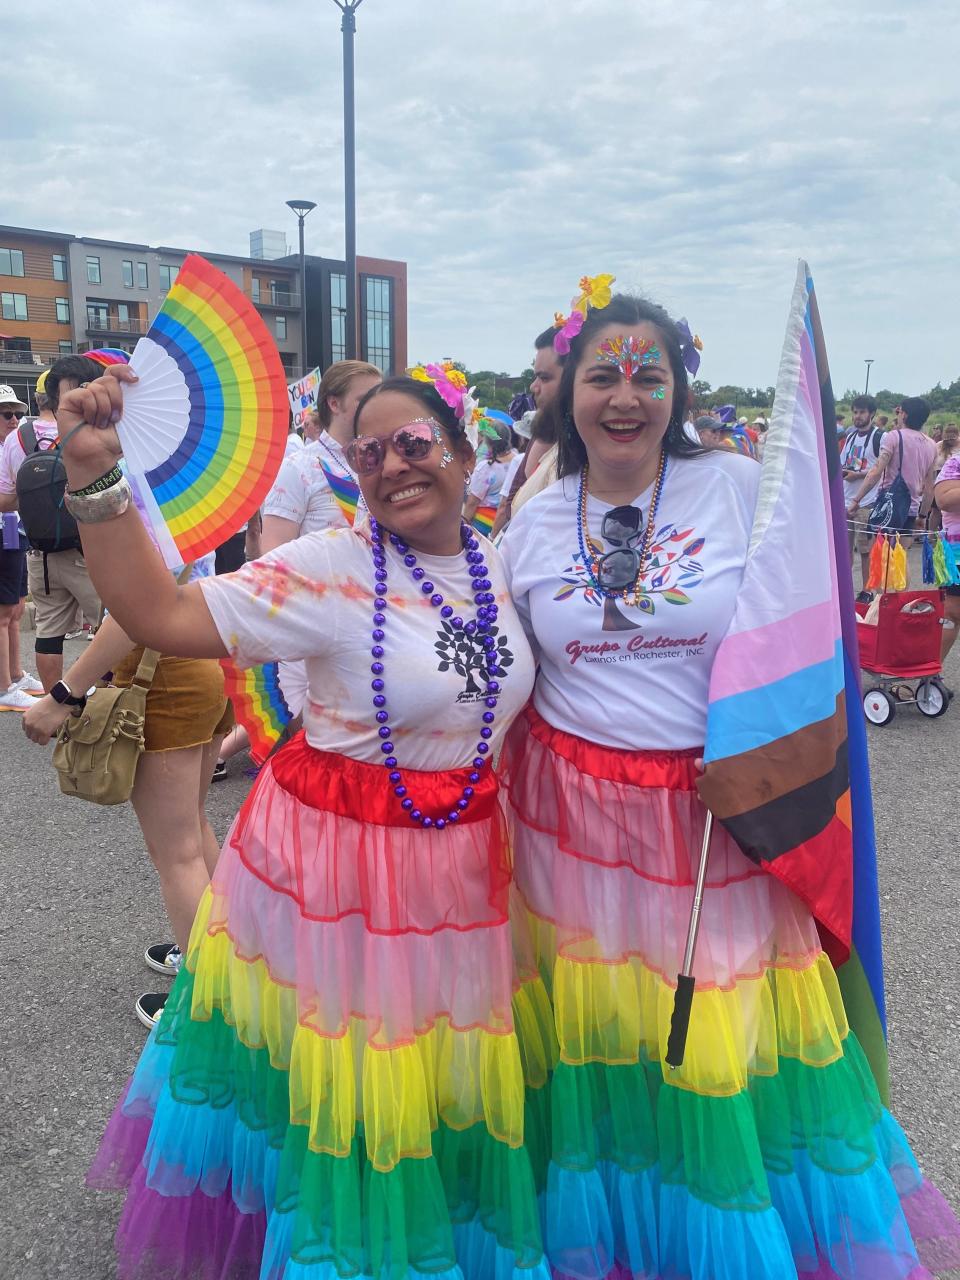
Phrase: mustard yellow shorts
(186, 705)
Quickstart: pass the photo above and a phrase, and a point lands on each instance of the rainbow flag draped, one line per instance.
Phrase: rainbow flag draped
(258, 703)
(483, 520)
(786, 766)
(345, 489)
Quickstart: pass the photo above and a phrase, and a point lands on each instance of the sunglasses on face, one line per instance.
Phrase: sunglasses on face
(413, 442)
(617, 569)
(11, 414)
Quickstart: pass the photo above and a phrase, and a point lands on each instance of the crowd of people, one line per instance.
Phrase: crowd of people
(421, 995)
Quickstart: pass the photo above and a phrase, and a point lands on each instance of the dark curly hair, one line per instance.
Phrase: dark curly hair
(431, 399)
(629, 311)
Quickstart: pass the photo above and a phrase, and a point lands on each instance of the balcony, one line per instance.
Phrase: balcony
(106, 322)
(276, 297)
(40, 359)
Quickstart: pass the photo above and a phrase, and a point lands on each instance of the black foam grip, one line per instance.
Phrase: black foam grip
(680, 1021)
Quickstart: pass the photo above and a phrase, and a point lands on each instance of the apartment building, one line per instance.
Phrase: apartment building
(61, 293)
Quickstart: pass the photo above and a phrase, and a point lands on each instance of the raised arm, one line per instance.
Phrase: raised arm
(130, 577)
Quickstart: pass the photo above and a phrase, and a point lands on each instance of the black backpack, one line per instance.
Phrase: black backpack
(41, 482)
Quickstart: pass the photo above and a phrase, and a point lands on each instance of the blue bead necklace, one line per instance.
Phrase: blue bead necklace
(487, 611)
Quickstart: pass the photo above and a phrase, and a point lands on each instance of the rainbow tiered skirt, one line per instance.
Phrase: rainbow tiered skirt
(337, 1087)
(768, 1154)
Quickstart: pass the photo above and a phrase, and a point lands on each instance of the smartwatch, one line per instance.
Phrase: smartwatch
(60, 693)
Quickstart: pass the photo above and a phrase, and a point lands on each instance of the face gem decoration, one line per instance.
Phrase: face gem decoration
(447, 455)
(658, 394)
(630, 354)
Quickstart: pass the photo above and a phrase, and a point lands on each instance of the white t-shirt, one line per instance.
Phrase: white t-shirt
(301, 493)
(489, 481)
(511, 475)
(313, 599)
(857, 453)
(294, 444)
(635, 678)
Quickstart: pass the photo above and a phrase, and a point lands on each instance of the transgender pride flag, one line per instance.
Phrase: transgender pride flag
(785, 764)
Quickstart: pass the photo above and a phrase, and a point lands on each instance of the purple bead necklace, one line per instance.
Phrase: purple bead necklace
(487, 611)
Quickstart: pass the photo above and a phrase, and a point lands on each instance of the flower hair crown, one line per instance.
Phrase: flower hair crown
(595, 292)
(450, 384)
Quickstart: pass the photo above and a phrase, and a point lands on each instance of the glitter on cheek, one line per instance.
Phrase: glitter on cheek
(658, 394)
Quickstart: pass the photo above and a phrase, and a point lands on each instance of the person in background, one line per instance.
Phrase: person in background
(489, 479)
(919, 460)
(57, 579)
(947, 494)
(16, 685)
(312, 426)
(858, 452)
(547, 368)
(882, 421)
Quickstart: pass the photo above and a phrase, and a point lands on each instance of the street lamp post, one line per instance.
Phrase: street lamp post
(348, 25)
(301, 208)
(866, 387)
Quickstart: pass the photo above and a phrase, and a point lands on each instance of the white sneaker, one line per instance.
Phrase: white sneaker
(14, 699)
(28, 683)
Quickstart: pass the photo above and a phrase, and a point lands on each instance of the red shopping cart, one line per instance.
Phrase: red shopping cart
(901, 650)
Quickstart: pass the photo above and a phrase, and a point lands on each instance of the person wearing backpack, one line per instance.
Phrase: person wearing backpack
(32, 481)
(904, 470)
(858, 453)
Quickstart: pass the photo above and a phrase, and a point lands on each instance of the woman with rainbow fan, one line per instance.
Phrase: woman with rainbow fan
(767, 1154)
(338, 1086)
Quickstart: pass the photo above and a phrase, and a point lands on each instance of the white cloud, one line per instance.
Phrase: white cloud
(504, 149)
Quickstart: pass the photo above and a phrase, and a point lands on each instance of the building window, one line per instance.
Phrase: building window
(14, 306)
(280, 293)
(123, 315)
(167, 277)
(142, 280)
(98, 315)
(378, 317)
(93, 270)
(255, 288)
(63, 310)
(11, 262)
(65, 347)
(126, 268)
(59, 266)
(282, 328)
(338, 317)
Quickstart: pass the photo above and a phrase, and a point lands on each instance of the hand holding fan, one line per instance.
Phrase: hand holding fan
(203, 430)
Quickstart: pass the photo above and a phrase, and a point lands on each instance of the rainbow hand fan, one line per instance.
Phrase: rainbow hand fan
(206, 425)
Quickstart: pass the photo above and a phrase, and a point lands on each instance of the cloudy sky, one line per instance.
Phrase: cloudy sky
(695, 149)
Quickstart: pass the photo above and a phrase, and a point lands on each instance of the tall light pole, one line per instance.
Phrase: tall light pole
(348, 25)
(301, 208)
(866, 387)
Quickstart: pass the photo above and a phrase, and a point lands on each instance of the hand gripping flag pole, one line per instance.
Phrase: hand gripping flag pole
(683, 1000)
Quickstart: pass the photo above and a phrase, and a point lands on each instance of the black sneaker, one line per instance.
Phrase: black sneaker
(219, 771)
(149, 1007)
(865, 597)
(165, 958)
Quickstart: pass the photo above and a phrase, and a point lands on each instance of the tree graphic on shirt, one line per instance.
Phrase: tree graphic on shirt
(466, 654)
(672, 569)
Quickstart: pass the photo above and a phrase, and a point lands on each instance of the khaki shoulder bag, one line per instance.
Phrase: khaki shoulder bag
(98, 751)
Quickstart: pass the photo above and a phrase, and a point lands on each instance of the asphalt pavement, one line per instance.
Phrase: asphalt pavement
(80, 903)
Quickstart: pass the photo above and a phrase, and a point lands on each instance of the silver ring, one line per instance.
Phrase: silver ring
(84, 384)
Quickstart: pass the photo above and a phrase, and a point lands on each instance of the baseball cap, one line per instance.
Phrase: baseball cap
(8, 396)
(42, 383)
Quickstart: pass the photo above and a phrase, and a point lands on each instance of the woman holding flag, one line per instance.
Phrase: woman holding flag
(337, 1086)
(766, 1153)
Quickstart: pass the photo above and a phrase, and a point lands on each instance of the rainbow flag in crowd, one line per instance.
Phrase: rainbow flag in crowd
(483, 519)
(258, 703)
(786, 751)
(345, 489)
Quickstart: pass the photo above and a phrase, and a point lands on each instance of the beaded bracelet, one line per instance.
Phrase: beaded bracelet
(107, 481)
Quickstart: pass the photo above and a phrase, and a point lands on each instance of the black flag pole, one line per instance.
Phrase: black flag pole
(683, 1000)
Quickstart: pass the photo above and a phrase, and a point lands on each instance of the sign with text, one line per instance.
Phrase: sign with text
(303, 397)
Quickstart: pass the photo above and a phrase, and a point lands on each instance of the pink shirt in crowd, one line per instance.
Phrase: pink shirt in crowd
(951, 520)
(919, 455)
(12, 454)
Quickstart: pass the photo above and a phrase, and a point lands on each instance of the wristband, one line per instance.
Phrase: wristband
(106, 481)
